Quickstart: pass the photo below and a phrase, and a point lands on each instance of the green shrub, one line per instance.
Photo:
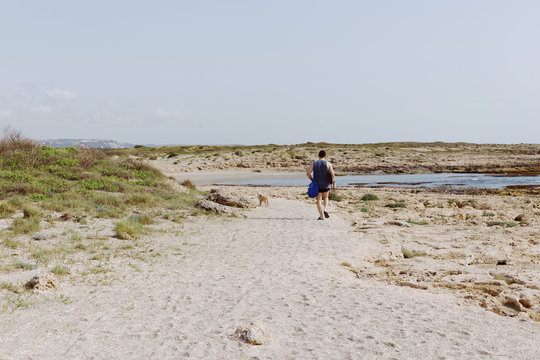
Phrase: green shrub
(6, 210)
(107, 199)
(334, 196)
(417, 222)
(187, 183)
(128, 230)
(25, 225)
(502, 223)
(370, 197)
(141, 199)
(60, 270)
(143, 219)
(30, 211)
(108, 212)
(396, 205)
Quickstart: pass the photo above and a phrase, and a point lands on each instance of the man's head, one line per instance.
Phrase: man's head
(322, 154)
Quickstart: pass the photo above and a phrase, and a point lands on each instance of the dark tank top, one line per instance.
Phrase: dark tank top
(320, 174)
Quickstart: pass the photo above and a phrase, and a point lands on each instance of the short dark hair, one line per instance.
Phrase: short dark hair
(322, 153)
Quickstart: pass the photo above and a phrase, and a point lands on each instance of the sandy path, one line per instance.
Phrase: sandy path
(280, 267)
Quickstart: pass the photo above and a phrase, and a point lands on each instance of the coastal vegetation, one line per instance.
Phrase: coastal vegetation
(81, 182)
(74, 212)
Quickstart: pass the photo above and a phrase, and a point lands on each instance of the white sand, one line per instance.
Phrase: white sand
(278, 266)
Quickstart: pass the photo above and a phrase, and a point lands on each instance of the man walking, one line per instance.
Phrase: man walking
(323, 175)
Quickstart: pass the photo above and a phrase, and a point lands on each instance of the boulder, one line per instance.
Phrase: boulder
(214, 207)
(229, 199)
(42, 282)
(254, 334)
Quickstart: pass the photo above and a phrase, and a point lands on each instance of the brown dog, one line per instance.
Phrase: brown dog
(262, 200)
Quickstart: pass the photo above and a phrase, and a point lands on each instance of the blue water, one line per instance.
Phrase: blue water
(409, 180)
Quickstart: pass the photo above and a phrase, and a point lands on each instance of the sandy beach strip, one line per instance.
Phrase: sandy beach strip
(279, 267)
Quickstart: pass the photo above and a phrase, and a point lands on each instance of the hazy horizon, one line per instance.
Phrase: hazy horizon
(282, 72)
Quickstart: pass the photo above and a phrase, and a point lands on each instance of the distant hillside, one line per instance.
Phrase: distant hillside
(90, 143)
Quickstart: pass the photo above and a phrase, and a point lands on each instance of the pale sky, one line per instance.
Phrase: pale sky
(257, 72)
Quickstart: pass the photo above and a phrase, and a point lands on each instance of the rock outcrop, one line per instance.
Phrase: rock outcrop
(214, 207)
(230, 199)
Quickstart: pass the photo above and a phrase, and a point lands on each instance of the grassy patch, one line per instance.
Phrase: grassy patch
(488, 214)
(335, 196)
(187, 183)
(25, 225)
(79, 182)
(128, 230)
(6, 210)
(370, 197)
(9, 287)
(20, 265)
(502, 223)
(11, 243)
(418, 222)
(143, 219)
(60, 270)
(398, 205)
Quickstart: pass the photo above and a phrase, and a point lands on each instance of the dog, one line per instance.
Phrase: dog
(262, 200)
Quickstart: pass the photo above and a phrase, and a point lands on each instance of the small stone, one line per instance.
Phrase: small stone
(520, 217)
(254, 334)
(501, 262)
(42, 282)
(39, 237)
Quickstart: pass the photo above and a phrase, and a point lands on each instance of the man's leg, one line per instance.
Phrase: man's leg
(319, 206)
(325, 199)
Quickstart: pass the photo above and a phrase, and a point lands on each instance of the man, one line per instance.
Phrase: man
(323, 175)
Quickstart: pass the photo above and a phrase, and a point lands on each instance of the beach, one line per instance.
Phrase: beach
(340, 288)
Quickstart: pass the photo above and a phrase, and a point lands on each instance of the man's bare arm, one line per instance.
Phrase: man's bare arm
(308, 173)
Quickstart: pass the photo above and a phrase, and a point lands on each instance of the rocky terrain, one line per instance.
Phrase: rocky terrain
(518, 159)
(483, 248)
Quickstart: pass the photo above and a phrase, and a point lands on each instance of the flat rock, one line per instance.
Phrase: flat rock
(214, 207)
(229, 199)
(412, 285)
